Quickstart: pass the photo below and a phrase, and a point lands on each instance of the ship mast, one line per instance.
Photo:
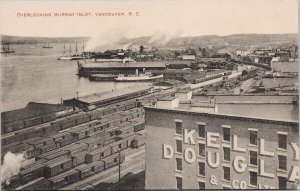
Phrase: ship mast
(76, 48)
(70, 49)
(64, 48)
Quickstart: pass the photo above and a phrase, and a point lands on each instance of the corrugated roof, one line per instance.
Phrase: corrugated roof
(115, 93)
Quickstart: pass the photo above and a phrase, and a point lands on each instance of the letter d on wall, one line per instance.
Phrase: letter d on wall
(168, 151)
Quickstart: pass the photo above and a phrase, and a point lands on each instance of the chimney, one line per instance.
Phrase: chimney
(167, 102)
(184, 95)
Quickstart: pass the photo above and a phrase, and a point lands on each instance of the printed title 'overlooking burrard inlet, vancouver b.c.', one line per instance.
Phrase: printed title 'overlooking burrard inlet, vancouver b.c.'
(124, 95)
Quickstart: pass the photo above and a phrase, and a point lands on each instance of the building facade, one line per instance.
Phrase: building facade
(193, 150)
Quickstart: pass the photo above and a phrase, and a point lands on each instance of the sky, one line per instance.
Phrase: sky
(169, 17)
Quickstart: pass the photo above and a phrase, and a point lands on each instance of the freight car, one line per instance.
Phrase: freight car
(57, 166)
(87, 170)
(13, 139)
(138, 141)
(68, 177)
(98, 154)
(79, 158)
(113, 160)
(52, 154)
(32, 171)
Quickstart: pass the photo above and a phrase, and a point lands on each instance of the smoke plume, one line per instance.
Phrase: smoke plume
(105, 39)
(163, 37)
(11, 166)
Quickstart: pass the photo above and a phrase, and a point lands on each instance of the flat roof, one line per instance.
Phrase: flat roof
(166, 98)
(169, 110)
(110, 94)
(124, 65)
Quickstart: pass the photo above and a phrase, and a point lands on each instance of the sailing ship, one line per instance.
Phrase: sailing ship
(6, 49)
(75, 56)
(47, 46)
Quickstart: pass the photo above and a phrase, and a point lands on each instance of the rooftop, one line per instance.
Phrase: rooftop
(110, 94)
(124, 65)
(166, 98)
(218, 115)
(235, 106)
(32, 109)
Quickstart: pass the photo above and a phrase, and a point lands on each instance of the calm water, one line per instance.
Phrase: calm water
(33, 74)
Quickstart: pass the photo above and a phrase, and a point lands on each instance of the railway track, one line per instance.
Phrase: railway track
(134, 159)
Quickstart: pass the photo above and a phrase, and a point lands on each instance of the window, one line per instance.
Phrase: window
(201, 130)
(201, 168)
(253, 178)
(62, 166)
(282, 141)
(226, 134)
(178, 164)
(179, 182)
(281, 182)
(226, 173)
(101, 155)
(226, 151)
(201, 149)
(201, 185)
(253, 158)
(253, 137)
(179, 146)
(282, 162)
(179, 128)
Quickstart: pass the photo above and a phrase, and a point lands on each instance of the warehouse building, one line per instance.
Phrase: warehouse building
(201, 149)
(106, 98)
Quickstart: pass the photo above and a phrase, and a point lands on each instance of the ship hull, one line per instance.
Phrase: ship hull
(8, 51)
(138, 79)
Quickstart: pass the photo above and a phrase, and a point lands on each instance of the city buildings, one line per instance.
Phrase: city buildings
(188, 148)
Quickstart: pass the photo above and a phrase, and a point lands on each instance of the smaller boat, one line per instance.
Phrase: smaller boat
(47, 46)
(6, 49)
(139, 77)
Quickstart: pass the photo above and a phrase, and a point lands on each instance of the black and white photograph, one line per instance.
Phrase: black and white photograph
(149, 94)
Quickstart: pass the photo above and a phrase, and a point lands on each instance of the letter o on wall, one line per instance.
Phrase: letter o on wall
(243, 185)
(189, 155)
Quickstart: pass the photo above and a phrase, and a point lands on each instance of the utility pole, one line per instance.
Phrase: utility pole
(119, 166)
(77, 94)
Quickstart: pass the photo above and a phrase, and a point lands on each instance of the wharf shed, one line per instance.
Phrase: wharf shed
(106, 98)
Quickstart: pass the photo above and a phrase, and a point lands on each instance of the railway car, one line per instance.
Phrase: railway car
(65, 178)
(56, 126)
(57, 166)
(52, 154)
(34, 133)
(97, 154)
(33, 121)
(78, 158)
(13, 139)
(32, 171)
(84, 170)
(75, 148)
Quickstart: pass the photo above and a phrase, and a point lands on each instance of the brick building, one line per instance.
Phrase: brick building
(188, 149)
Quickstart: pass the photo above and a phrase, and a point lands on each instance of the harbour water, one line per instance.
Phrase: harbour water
(33, 74)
